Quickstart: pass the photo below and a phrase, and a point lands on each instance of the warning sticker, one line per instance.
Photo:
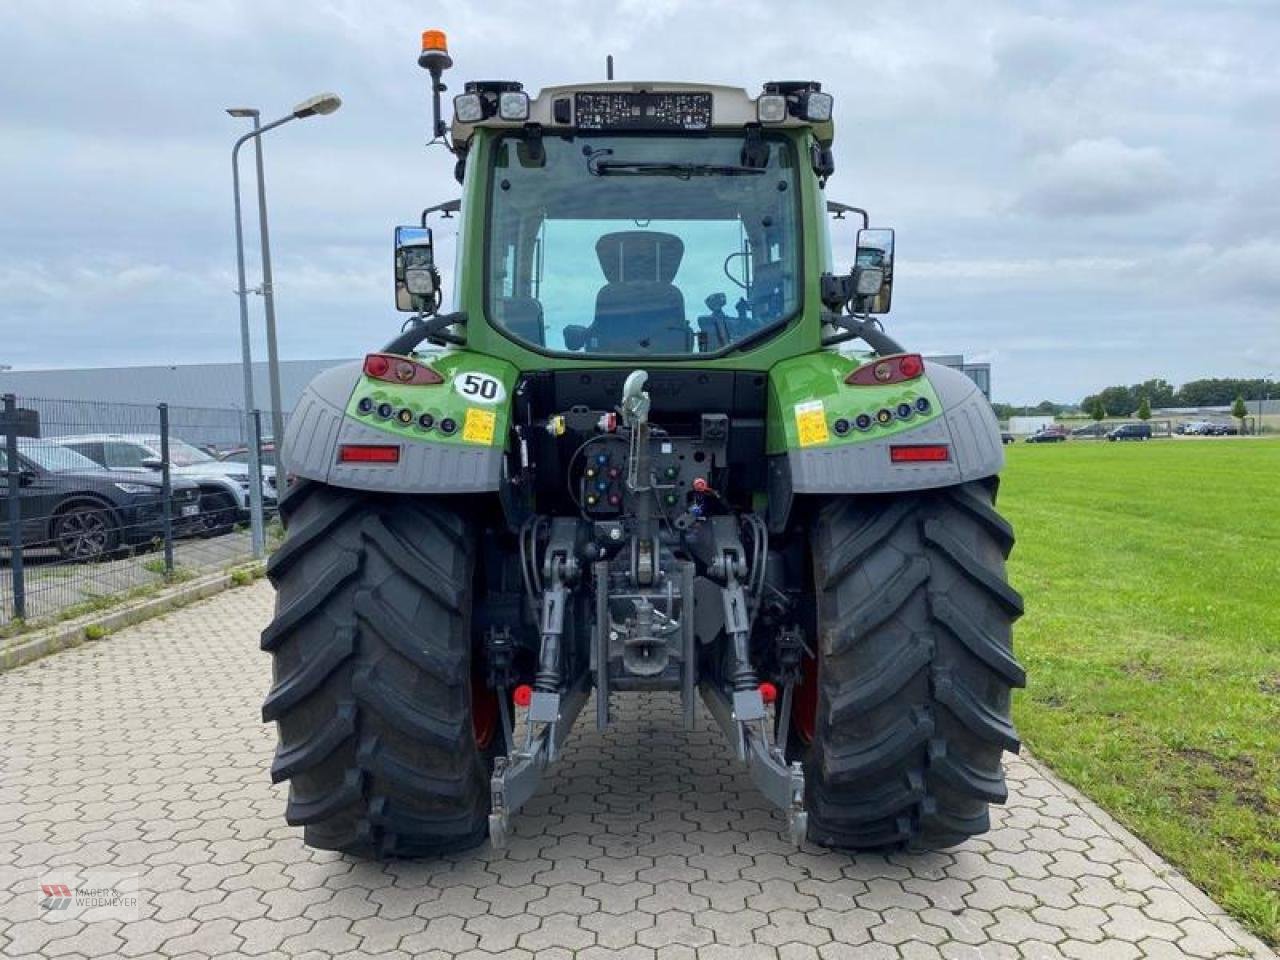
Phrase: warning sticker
(478, 427)
(811, 423)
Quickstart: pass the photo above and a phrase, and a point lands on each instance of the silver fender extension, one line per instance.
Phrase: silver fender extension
(968, 426)
(319, 425)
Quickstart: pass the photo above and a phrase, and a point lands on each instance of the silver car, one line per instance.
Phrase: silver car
(224, 487)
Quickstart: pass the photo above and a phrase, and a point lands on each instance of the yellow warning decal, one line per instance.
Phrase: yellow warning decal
(811, 423)
(478, 427)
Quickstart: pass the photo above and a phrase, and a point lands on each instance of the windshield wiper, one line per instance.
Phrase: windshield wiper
(659, 168)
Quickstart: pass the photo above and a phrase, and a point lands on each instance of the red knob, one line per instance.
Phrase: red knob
(768, 692)
(523, 695)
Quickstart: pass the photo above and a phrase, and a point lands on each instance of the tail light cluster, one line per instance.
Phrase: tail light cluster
(391, 368)
(897, 368)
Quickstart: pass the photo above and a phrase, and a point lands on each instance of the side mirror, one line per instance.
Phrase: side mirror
(152, 463)
(26, 477)
(575, 336)
(417, 280)
(873, 271)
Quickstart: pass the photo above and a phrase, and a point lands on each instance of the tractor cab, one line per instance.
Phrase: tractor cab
(662, 221)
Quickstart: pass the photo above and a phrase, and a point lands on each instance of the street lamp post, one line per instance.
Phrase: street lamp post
(315, 106)
(1264, 393)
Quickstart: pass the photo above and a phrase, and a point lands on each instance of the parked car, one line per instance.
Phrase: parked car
(1222, 430)
(266, 454)
(1006, 437)
(1194, 428)
(1091, 430)
(85, 512)
(1130, 431)
(1051, 434)
(224, 487)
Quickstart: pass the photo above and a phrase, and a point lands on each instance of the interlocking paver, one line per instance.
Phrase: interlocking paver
(647, 843)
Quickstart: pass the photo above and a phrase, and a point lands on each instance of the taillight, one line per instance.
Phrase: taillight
(391, 368)
(920, 453)
(893, 369)
(369, 453)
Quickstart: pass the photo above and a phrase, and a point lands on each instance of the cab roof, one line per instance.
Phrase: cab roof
(732, 108)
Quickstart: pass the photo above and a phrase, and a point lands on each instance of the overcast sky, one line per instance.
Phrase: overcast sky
(1084, 193)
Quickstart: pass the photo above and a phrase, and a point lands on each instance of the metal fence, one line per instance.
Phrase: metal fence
(101, 502)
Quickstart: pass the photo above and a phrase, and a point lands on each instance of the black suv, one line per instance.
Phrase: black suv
(1130, 431)
(72, 505)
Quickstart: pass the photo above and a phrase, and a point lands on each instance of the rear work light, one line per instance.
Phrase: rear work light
(897, 368)
(369, 453)
(920, 453)
(391, 368)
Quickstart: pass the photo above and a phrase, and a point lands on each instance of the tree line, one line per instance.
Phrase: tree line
(1211, 392)
(1124, 401)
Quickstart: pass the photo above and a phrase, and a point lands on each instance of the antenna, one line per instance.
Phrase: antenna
(608, 67)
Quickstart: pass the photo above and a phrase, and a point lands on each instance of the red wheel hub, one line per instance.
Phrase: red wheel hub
(484, 711)
(804, 704)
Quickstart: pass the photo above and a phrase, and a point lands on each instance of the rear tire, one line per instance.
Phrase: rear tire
(902, 720)
(374, 679)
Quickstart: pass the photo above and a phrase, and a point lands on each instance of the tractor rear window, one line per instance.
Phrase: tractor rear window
(640, 245)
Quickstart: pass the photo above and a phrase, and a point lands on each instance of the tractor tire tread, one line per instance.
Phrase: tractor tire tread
(915, 669)
(371, 645)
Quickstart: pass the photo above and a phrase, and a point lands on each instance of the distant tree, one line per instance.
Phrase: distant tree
(1158, 391)
(1118, 399)
(1098, 411)
(1239, 411)
(1144, 410)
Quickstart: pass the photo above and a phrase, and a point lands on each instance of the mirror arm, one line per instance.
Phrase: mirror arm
(446, 209)
(840, 209)
(433, 329)
(866, 330)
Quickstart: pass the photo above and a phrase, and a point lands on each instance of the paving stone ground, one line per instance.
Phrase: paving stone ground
(141, 759)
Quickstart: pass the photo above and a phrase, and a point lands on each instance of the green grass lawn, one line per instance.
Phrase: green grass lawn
(1151, 573)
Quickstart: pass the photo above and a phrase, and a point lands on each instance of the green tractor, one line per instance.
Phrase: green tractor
(659, 443)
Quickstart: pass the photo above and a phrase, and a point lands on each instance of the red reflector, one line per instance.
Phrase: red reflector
(768, 692)
(920, 453)
(523, 695)
(368, 453)
(911, 365)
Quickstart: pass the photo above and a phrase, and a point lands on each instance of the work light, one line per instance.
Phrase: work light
(468, 108)
(814, 106)
(771, 108)
(513, 105)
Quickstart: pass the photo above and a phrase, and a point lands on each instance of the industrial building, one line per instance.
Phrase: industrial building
(221, 385)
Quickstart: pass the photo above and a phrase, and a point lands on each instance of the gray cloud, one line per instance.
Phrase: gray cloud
(1064, 178)
(1102, 178)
